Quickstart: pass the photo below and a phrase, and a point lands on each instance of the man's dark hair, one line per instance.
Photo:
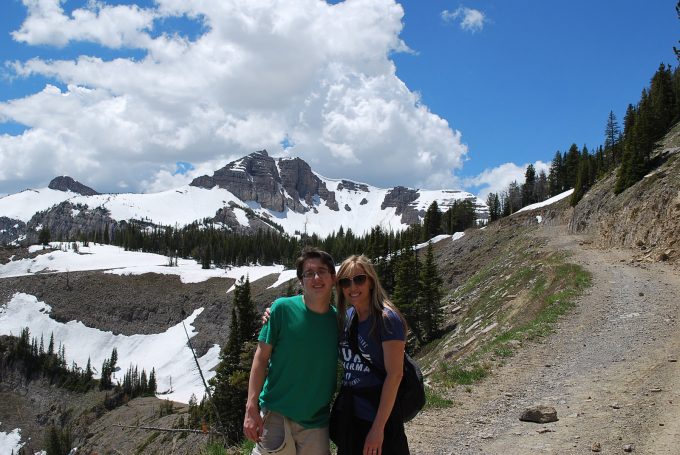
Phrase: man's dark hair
(311, 252)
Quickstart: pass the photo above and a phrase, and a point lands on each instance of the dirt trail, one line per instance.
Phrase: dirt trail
(611, 371)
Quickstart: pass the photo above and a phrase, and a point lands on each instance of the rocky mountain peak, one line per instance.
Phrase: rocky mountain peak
(256, 177)
(66, 183)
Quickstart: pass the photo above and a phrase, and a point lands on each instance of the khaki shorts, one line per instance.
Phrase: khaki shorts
(282, 436)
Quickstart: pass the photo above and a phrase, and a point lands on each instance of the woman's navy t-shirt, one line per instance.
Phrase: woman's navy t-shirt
(357, 373)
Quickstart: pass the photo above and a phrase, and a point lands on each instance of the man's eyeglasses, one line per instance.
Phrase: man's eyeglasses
(358, 280)
(310, 274)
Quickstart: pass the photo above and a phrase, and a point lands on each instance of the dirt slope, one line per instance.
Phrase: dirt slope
(611, 371)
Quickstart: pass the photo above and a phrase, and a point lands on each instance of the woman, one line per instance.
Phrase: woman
(365, 420)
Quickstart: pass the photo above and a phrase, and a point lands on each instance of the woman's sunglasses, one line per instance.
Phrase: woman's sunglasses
(358, 280)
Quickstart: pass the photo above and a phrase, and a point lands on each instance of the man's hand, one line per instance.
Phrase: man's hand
(252, 423)
(253, 426)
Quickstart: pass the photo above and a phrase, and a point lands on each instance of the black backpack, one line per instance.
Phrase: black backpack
(411, 393)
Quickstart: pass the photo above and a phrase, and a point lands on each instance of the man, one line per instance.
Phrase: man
(293, 376)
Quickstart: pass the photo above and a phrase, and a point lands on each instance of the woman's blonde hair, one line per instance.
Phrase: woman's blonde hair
(379, 298)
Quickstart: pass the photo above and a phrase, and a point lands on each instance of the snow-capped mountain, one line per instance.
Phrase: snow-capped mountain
(254, 192)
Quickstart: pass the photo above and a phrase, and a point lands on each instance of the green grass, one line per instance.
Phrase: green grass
(462, 374)
(552, 282)
(435, 401)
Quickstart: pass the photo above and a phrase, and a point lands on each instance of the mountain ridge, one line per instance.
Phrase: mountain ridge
(252, 193)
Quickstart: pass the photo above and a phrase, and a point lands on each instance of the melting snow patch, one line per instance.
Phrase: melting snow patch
(10, 442)
(284, 276)
(458, 235)
(167, 352)
(539, 219)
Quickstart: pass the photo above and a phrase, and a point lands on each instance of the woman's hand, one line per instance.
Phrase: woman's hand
(266, 315)
(374, 441)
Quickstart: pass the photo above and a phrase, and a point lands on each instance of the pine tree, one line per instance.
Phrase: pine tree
(556, 176)
(494, 204)
(661, 103)
(230, 383)
(248, 322)
(582, 180)
(50, 346)
(571, 163)
(429, 296)
(151, 386)
(529, 187)
(612, 136)
(44, 236)
(432, 222)
(541, 189)
(405, 294)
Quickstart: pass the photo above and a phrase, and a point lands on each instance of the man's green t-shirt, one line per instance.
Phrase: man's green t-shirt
(302, 368)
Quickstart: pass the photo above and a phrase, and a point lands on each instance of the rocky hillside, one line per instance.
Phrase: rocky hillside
(646, 216)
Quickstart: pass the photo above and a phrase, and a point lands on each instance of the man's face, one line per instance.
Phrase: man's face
(317, 280)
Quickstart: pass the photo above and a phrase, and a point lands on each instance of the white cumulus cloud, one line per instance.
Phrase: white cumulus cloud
(497, 179)
(469, 19)
(254, 73)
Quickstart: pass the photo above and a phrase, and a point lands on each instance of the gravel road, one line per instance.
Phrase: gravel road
(610, 370)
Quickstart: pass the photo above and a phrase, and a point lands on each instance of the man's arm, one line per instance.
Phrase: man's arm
(252, 423)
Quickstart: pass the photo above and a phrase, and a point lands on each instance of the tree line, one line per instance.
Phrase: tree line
(627, 151)
(36, 361)
(216, 246)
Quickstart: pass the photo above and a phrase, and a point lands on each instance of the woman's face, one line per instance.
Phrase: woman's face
(356, 287)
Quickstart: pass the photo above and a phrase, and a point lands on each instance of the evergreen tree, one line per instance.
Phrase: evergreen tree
(494, 204)
(612, 136)
(248, 321)
(88, 371)
(151, 385)
(541, 189)
(405, 294)
(556, 176)
(514, 199)
(661, 103)
(44, 236)
(432, 222)
(230, 383)
(528, 190)
(50, 347)
(429, 297)
(582, 180)
(571, 163)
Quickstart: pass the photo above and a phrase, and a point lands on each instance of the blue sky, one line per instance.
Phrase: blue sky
(145, 96)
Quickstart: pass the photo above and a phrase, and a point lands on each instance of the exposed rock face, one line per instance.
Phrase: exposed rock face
(402, 198)
(10, 230)
(65, 183)
(352, 186)
(301, 183)
(256, 178)
(67, 220)
(646, 216)
(252, 178)
(227, 217)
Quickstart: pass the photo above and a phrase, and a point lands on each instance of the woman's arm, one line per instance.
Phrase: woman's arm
(393, 351)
